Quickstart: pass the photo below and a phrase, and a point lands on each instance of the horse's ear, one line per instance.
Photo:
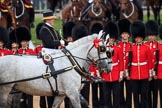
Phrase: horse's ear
(137, 28)
(151, 28)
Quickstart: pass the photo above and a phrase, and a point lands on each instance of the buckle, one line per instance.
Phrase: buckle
(46, 75)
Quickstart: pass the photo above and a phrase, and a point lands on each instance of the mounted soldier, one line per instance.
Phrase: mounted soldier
(29, 6)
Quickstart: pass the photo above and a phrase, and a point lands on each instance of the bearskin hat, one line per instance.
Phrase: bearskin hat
(38, 27)
(160, 32)
(79, 31)
(67, 29)
(21, 33)
(151, 28)
(4, 36)
(111, 28)
(137, 28)
(96, 28)
(124, 26)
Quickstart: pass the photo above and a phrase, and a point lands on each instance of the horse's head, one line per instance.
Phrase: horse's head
(76, 8)
(124, 4)
(101, 55)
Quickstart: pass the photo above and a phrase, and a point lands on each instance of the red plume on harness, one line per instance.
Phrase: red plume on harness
(96, 42)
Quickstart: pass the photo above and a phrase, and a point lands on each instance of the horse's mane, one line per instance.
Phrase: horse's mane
(81, 41)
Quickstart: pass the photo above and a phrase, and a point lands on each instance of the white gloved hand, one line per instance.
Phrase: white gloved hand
(62, 42)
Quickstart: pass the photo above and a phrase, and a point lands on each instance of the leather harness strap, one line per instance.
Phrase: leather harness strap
(75, 63)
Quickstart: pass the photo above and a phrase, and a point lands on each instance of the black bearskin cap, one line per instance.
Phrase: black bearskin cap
(151, 28)
(23, 33)
(124, 26)
(38, 27)
(137, 28)
(79, 31)
(112, 29)
(160, 31)
(4, 36)
(67, 29)
(96, 28)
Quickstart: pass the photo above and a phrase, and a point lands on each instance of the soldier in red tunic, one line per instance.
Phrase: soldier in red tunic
(152, 32)
(112, 79)
(141, 65)
(13, 42)
(24, 36)
(3, 41)
(125, 46)
(159, 68)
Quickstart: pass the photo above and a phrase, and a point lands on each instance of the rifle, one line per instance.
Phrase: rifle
(129, 59)
(157, 59)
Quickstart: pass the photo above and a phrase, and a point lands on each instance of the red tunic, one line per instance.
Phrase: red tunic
(26, 51)
(38, 49)
(141, 62)
(117, 63)
(125, 48)
(93, 70)
(5, 51)
(153, 46)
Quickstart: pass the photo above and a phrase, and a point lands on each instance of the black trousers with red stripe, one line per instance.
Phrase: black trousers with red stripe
(111, 89)
(140, 93)
(125, 102)
(153, 94)
(160, 91)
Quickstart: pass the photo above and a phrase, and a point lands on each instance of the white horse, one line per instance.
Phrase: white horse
(13, 68)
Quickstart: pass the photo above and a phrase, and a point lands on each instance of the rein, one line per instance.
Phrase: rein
(44, 76)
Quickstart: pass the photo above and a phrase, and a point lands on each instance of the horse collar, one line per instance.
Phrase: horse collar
(96, 14)
(133, 8)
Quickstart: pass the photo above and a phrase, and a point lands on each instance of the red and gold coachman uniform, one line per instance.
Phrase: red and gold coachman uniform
(26, 51)
(117, 66)
(141, 62)
(125, 48)
(38, 49)
(5, 51)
